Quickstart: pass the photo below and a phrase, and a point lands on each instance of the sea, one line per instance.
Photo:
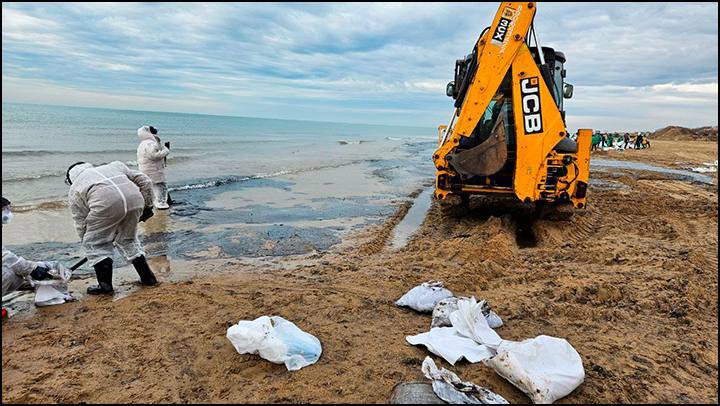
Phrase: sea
(243, 186)
(40, 142)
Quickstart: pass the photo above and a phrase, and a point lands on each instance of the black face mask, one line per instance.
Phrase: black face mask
(67, 174)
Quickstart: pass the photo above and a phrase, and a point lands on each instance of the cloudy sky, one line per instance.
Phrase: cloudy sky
(634, 65)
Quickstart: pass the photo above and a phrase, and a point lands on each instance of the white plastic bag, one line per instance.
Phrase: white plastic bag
(424, 297)
(544, 368)
(444, 308)
(470, 336)
(446, 343)
(276, 340)
(469, 321)
(448, 387)
(54, 291)
(48, 295)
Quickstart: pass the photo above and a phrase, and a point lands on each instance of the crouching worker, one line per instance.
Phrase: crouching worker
(15, 269)
(151, 158)
(106, 203)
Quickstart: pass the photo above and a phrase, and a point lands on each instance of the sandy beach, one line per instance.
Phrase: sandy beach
(631, 283)
(197, 197)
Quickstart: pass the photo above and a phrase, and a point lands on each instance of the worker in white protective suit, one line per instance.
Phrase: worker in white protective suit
(16, 270)
(151, 158)
(106, 203)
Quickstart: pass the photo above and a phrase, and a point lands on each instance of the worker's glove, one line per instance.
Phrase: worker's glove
(55, 269)
(167, 144)
(44, 264)
(146, 214)
(40, 273)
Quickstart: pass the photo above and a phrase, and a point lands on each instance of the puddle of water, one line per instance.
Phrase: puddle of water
(638, 166)
(608, 184)
(412, 220)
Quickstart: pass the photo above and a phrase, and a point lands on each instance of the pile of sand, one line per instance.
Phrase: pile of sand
(676, 133)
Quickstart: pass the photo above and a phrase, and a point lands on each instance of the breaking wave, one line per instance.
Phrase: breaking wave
(51, 205)
(61, 173)
(44, 152)
(40, 152)
(28, 178)
(225, 181)
(353, 142)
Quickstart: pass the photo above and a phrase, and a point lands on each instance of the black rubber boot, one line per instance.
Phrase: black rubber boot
(147, 277)
(103, 271)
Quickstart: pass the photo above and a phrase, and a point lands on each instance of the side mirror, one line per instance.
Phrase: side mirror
(568, 91)
(450, 89)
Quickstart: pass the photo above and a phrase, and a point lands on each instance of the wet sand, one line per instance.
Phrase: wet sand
(290, 214)
(631, 283)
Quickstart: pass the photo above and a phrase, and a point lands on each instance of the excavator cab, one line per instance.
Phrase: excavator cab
(507, 135)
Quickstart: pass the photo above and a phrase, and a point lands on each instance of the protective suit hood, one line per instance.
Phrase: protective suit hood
(77, 170)
(151, 154)
(144, 134)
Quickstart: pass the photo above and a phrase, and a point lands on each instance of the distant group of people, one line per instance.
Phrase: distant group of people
(602, 140)
(106, 203)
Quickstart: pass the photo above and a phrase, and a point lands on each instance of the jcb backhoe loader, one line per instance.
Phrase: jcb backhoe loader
(507, 133)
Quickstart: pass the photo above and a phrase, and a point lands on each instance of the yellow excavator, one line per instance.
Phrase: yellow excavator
(507, 134)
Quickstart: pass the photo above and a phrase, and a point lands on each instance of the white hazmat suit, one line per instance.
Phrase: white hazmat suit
(14, 270)
(151, 154)
(18, 271)
(106, 203)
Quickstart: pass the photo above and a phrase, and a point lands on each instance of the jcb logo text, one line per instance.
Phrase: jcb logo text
(532, 114)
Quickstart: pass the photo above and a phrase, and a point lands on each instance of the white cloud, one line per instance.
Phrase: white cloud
(644, 107)
(117, 67)
(19, 27)
(434, 87)
(628, 58)
(14, 20)
(41, 92)
(710, 89)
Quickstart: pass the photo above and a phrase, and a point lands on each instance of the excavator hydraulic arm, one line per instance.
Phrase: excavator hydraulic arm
(506, 72)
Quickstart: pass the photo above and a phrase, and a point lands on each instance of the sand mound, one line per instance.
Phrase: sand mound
(676, 133)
